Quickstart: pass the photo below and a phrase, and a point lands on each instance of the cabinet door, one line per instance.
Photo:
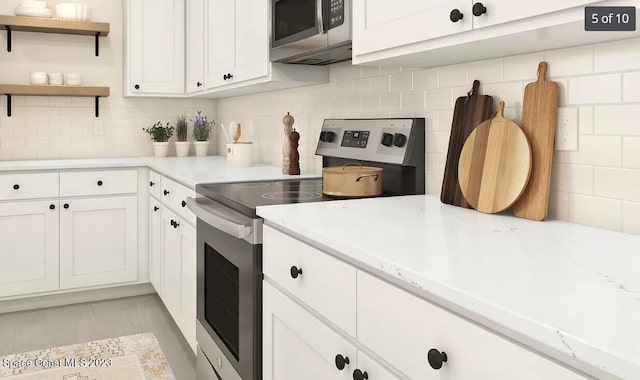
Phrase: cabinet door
(156, 272)
(29, 247)
(380, 24)
(180, 273)
(155, 35)
(296, 345)
(220, 40)
(98, 241)
(252, 40)
(195, 46)
(373, 369)
(502, 11)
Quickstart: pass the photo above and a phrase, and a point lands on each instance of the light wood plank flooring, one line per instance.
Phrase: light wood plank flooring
(60, 326)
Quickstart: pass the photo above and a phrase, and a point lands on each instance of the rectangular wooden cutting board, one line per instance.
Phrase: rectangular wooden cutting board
(469, 112)
(539, 111)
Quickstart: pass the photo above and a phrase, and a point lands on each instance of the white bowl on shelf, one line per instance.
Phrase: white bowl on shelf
(34, 12)
(38, 78)
(72, 11)
(32, 4)
(73, 79)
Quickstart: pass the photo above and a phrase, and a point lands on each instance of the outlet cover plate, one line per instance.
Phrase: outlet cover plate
(567, 129)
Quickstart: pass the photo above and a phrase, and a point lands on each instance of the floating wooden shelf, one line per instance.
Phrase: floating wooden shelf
(48, 25)
(32, 90)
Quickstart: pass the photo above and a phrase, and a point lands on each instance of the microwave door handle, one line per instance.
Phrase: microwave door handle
(217, 220)
(320, 8)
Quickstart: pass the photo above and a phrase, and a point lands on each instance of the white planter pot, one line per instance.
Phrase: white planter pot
(202, 148)
(182, 148)
(160, 149)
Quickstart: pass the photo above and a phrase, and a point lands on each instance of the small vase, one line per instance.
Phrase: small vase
(160, 148)
(202, 148)
(182, 148)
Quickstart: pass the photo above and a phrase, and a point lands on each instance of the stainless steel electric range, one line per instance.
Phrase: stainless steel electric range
(229, 235)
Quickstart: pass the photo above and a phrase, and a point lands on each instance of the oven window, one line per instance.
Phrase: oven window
(221, 298)
(293, 16)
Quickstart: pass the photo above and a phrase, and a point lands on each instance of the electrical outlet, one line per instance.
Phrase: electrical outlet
(567, 129)
(98, 127)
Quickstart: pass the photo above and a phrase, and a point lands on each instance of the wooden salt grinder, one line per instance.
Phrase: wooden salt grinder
(294, 160)
(288, 121)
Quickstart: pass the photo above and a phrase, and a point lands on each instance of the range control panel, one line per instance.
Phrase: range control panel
(355, 139)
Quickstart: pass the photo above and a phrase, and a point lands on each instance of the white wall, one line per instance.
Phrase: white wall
(598, 185)
(63, 127)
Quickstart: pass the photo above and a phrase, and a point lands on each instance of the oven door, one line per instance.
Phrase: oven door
(229, 288)
(297, 27)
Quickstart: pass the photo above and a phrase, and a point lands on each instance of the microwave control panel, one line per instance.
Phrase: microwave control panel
(336, 13)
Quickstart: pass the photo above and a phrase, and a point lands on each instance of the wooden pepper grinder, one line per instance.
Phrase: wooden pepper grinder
(288, 121)
(294, 160)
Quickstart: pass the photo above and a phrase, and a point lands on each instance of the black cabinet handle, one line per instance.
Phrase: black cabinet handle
(137, 86)
(151, 183)
(436, 358)
(16, 187)
(166, 192)
(172, 222)
(99, 183)
(479, 9)
(176, 224)
(225, 77)
(66, 205)
(156, 208)
(229, 75)
(184, 204)
(52, 207)
(341, 361)
(455, 15)
(198, 84)
(295, 272)
(359, 375)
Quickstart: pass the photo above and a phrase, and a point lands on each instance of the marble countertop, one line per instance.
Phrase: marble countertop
(569, 291)
(187, 170)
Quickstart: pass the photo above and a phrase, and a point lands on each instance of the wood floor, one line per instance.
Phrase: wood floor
(65, 325)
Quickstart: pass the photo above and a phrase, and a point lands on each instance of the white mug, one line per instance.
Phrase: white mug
(240, 154)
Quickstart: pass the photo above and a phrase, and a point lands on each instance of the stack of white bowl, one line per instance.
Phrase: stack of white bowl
(72, 11)
(33, 8)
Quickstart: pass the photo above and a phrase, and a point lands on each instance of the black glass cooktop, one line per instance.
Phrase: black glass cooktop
(246, 196)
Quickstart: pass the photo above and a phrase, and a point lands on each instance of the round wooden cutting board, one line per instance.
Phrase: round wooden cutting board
(495, 164)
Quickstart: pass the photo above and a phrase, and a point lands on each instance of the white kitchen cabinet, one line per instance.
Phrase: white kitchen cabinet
(155, 47)
(372, 369)
(179, 251)
(156, 259)
(195, 46)
(28, 247)
(299, 346)
(98, 241)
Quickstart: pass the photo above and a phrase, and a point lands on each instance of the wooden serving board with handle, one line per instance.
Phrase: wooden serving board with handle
(539, 111)
(469, 112)
(495, 164)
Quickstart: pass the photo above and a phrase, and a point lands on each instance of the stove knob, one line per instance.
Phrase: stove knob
(327, 136)
(387, 139)
(399, 140)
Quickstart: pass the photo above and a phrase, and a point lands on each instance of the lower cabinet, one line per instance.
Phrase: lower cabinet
(98, 241)
(28, 247)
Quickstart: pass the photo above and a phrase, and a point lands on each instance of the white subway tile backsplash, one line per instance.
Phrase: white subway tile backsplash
(594, 211)
(402, 81)
(390, 102)
(437, 142)
(631, 217)
(617, 120)
(370, 103)
(361, 86)
(390, 70)
(597, 151)
(381, 84)
(631, 152)
(595, 89)
(489, 71)
(413, 100)
(445, 119)
(558, 203)
(425, 79)
(571, 61)
(576, 179)
(433, 184)
(369, 71)
(522, 67)
(36, 101)
(617, 56)
(343, 71)
(585, 120)
(438, 98)
(352, 104)
(511, 93)
(452, 76)
(631, 87)
(617, 183)
(59, 101)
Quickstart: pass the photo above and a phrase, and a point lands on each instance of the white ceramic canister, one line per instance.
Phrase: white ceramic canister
(240, 154)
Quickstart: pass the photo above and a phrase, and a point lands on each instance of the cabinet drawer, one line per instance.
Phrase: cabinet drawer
(28, 185)
(155, 184)
(326, 284)
(403, 328)
(174, 196)
(104, 182)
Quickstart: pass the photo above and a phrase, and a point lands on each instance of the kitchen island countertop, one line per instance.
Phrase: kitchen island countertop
(569, 291)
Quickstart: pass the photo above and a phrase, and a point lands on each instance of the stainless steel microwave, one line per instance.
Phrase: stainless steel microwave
(311, 32)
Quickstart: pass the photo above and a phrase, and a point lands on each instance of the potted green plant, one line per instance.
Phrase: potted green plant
(160, 135)
(201, 133)
(182, 145)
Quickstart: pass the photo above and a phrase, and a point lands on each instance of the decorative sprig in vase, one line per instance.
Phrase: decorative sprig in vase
(201, 133)
(182, 145)
(160, 135)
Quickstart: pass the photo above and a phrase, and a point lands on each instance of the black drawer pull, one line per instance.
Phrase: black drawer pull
(184, 204)
(99, 183)
(295, 272)
(156, 208)
(436, 358)
(52, 207)
(66, 205)
(16, 187)
(341, 361)
(456, 15)
(166, 192)
(359, 375)
(151, 184)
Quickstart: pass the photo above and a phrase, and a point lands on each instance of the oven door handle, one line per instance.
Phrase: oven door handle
(214, 216)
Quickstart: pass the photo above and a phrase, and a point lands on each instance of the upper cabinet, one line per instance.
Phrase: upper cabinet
(195, 46)
(155, 48)
(435, 32)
